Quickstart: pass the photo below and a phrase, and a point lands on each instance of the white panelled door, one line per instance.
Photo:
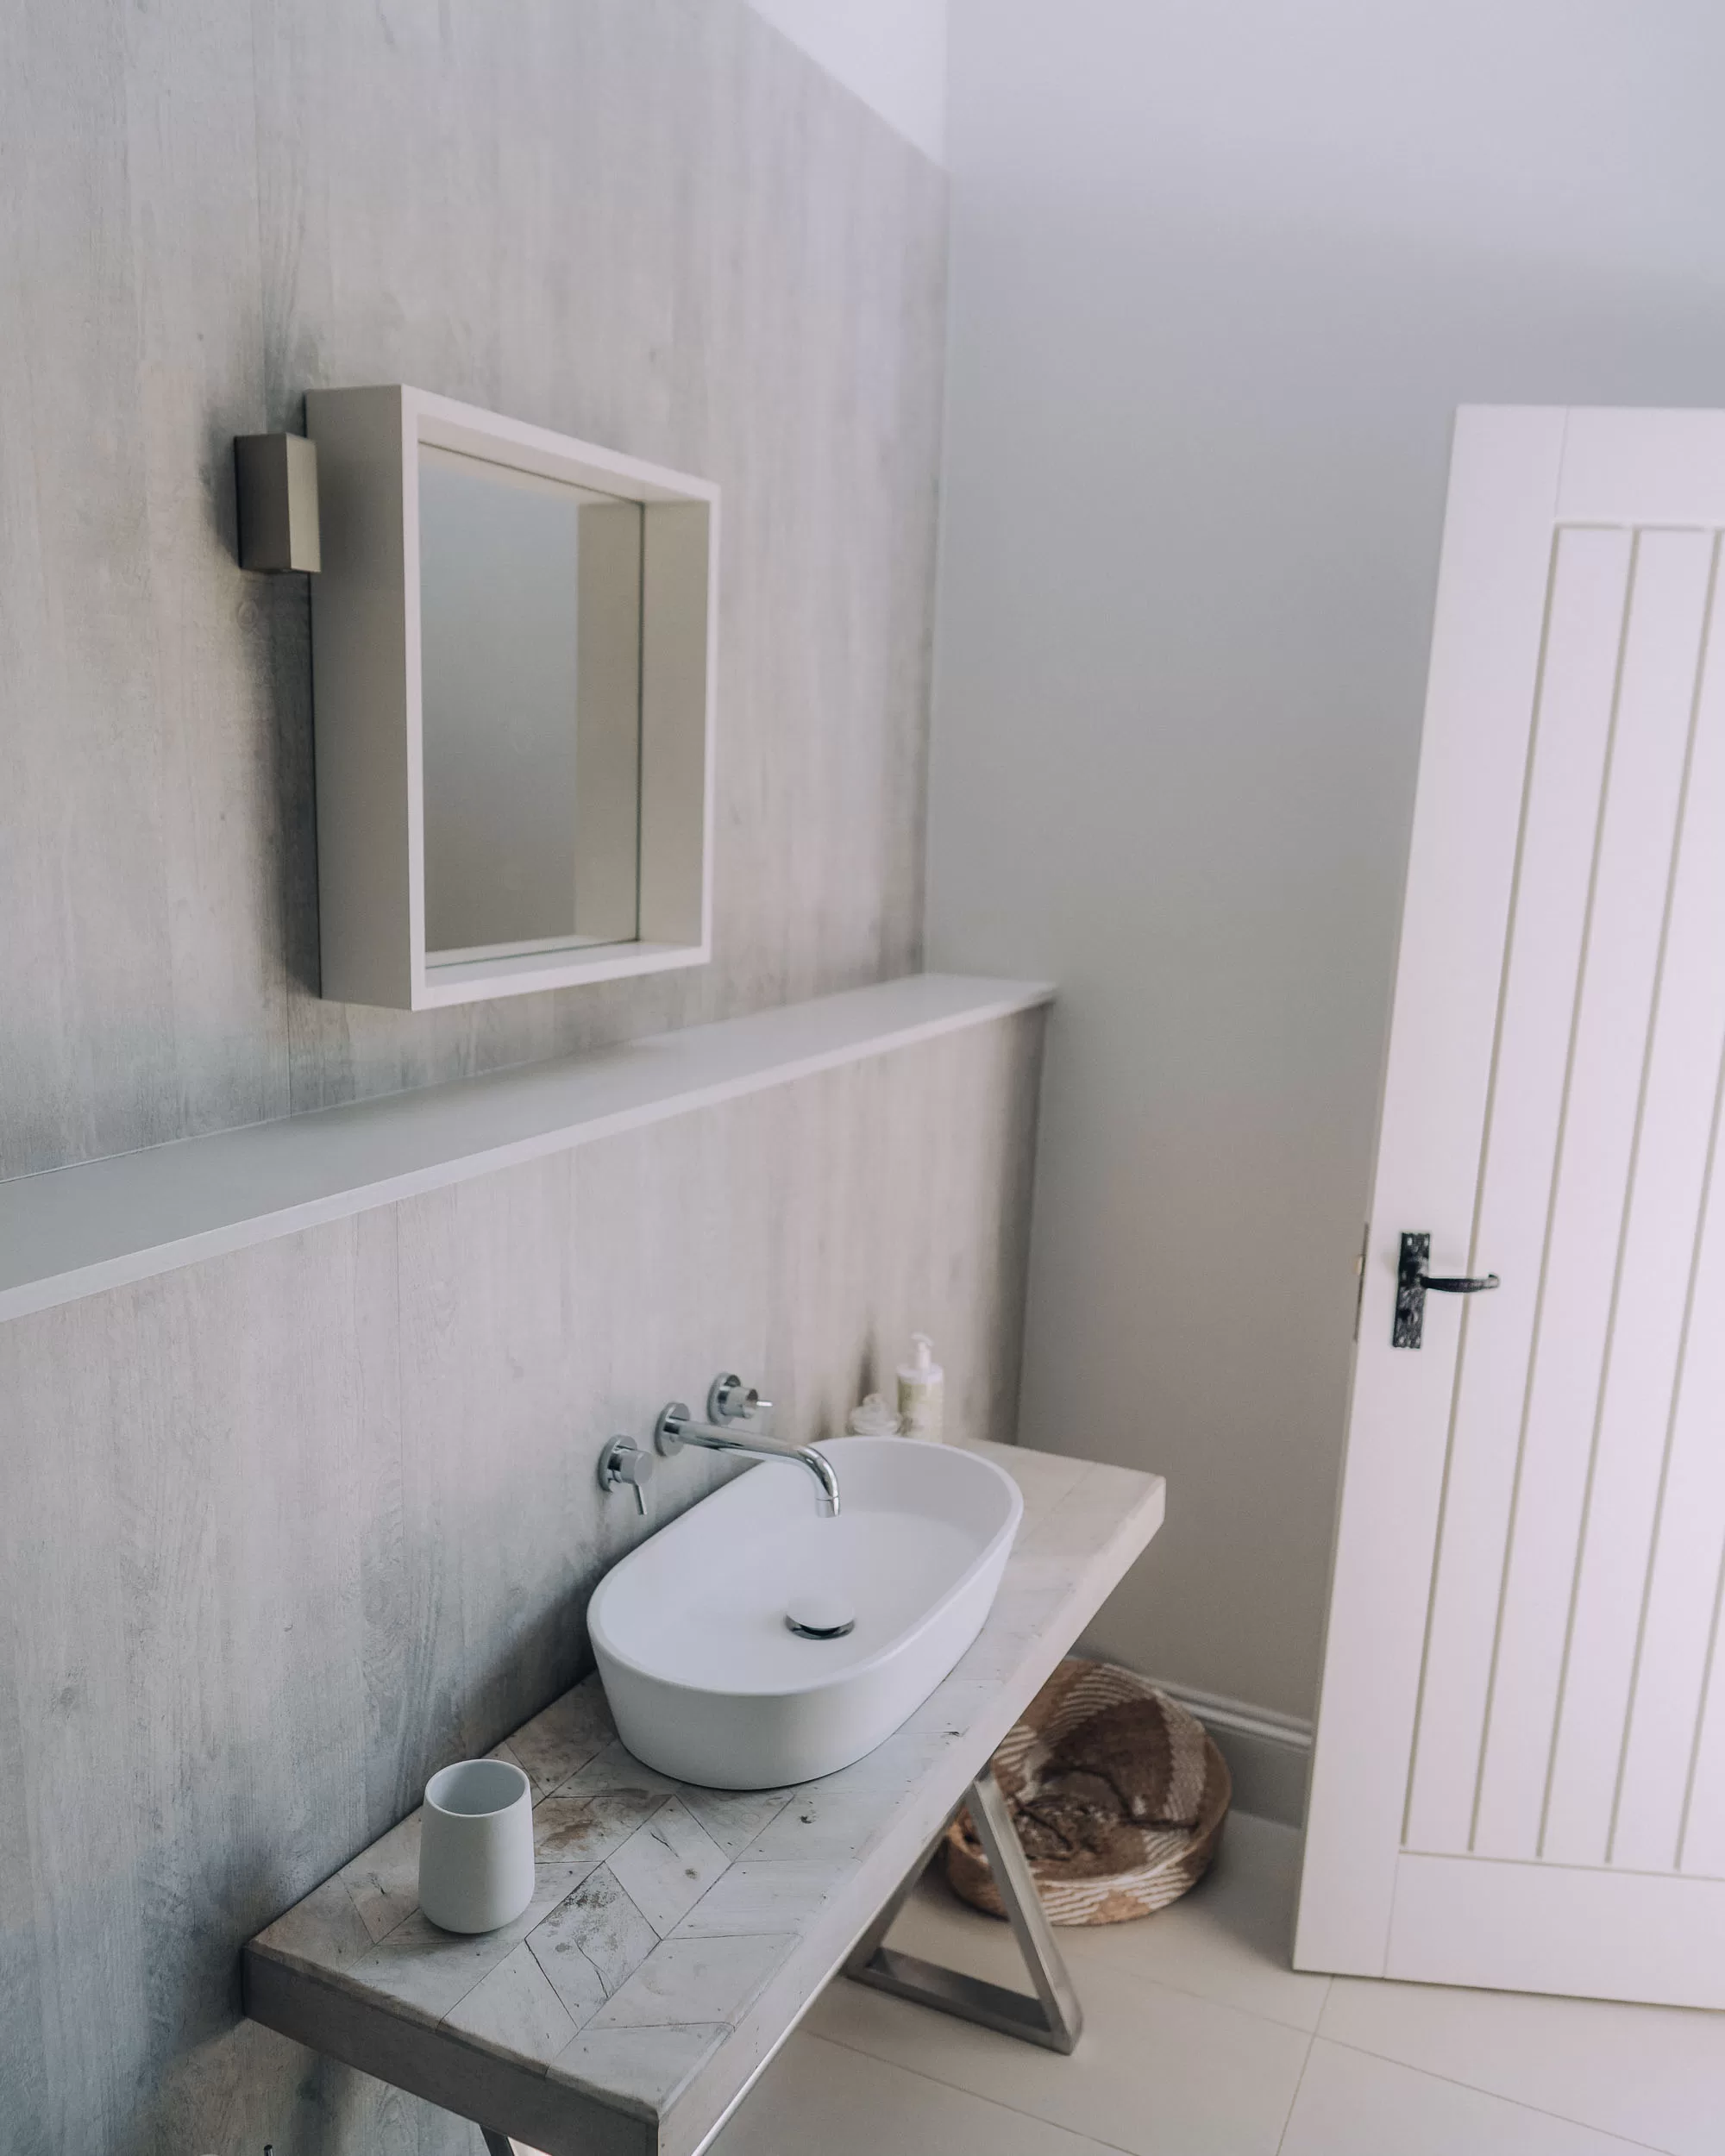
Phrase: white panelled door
(1520, 1774)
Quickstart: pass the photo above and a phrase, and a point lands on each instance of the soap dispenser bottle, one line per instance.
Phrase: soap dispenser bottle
(922, 1387)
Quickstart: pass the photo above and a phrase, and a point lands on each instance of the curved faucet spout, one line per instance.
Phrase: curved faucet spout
(821, 1468)
(677, 1428)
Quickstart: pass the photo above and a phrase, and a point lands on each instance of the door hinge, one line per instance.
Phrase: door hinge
(1359, 1275)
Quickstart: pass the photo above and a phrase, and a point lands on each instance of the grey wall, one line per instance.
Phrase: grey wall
(281, 1532)
(1220, 275)
(651, 223)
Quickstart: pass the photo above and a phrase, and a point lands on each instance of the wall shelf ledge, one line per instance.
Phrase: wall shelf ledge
(73, 1231)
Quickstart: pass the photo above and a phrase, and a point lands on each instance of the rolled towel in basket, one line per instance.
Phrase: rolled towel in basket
(1131, 1764)
(1116, 1794)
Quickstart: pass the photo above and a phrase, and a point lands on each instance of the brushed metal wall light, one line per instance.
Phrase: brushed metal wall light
(275, 482)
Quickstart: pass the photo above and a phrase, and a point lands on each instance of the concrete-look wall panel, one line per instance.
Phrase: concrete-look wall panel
(650, 223)
(283, 1533)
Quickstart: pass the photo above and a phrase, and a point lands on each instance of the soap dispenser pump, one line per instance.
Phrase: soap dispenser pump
(922, 1386)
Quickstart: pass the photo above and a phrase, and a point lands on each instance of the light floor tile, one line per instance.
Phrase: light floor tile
(820, 2099)
(1157, 2072)
(1352, 2104)
(1228, 1939)
(1647, 2073)
(1196, 2043)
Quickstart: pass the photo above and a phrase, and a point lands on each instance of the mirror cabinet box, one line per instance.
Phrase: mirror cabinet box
(512, 645)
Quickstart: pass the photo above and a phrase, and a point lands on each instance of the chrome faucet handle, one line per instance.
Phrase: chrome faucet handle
(729, 1400)
(623, 1463)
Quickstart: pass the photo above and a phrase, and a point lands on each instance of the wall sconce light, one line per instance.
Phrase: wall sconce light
(275, 482)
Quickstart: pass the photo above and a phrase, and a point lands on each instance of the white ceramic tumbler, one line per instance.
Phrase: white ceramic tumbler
(476, 1845)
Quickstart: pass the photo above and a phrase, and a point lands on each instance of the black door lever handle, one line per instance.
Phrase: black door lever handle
(1413, 1283)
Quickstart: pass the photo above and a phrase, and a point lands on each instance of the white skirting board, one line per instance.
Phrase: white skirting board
(74, 1231)
(1269, 1755)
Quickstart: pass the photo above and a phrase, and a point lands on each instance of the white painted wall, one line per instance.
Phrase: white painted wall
(1219, 277)
(891, 54)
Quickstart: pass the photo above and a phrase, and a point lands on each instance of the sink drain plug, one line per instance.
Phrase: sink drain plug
(819, 1617)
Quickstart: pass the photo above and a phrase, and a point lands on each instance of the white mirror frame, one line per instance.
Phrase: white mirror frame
(366, 692)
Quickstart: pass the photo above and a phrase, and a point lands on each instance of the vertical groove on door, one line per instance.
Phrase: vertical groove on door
(1591, 1706)
(1474, 1260)
(1586, 603)
(1539, 1292)
(1650, 1789)
(1608, 1300)
(1709, 1667)
(1678, 1389)
(1670, 1806)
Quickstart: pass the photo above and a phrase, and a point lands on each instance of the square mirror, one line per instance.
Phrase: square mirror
(513, 674)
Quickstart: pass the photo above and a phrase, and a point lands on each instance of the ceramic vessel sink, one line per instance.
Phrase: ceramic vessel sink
(704, 1677)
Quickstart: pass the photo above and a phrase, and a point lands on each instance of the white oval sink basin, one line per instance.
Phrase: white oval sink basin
(705, 1678)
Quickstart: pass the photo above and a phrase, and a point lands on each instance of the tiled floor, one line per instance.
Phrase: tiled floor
(1200, 2040)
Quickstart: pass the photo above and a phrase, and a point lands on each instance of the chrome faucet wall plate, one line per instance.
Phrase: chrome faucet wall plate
(625, 1464)
(668, 1431)
(729, 1400)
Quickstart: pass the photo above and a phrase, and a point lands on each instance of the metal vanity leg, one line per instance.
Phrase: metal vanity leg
(1054, 2018)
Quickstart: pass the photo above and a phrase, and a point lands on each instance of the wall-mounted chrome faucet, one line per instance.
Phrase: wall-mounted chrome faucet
(734, 1424)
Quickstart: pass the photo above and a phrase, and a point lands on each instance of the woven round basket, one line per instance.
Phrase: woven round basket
(1095, 1745)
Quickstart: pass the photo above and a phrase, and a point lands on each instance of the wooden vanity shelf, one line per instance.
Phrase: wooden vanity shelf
(678, 1934)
